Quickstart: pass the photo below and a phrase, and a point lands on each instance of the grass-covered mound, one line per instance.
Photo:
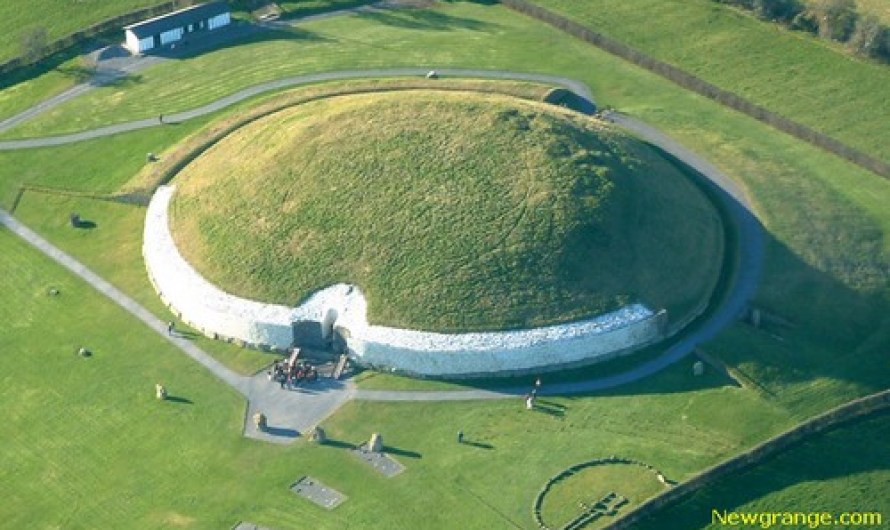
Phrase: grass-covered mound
(450, 211)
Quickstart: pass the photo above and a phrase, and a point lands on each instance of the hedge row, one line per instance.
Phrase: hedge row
(837, 20)
(699, 86)
(853, 410)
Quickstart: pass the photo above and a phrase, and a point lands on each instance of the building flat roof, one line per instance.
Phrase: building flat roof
(177, 19)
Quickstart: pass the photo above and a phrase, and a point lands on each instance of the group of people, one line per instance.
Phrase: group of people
(292, 374)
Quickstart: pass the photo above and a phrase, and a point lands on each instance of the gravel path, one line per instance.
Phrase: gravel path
(292, 412)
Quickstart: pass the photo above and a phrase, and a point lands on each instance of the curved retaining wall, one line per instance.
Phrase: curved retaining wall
(342, 310)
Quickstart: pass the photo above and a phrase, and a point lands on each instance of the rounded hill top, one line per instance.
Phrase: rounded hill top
(451, 211)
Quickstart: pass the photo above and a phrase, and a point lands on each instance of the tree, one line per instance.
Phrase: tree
(835, 19)
(34, 43)
(867, 37)
(784, 10)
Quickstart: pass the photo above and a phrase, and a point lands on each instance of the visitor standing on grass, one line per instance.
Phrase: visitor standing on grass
(170, 328)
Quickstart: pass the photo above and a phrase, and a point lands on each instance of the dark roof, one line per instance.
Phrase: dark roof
(177, 19)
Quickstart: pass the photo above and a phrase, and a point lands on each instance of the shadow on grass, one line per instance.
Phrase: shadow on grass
(181, 400)
(426, 20)
(115, 78)
(240, 35)
(551, 409)
(188, 335)
(84, 224)
(857, 450)
(401, 452)
(479, 445)
(78, 73)
(338, 444)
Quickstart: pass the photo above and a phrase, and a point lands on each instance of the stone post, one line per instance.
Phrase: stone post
(376, 443)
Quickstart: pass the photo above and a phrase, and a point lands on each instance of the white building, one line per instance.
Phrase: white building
(171, 28)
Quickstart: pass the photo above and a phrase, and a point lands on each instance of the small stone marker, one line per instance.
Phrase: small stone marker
(375, 445)
(698, 369)
(260, 421)
(160, 391)
(83, 352)
(317, 435)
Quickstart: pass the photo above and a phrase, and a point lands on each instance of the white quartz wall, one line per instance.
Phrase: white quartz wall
(220, 314)
(199, 302)
(475, 354)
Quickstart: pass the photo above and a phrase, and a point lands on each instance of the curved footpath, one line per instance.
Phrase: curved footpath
(270, 86)
(293, 412)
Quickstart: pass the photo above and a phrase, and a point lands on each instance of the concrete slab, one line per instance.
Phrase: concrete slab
(313, 490)
(381, 462)
(292, 412)
(249, 526)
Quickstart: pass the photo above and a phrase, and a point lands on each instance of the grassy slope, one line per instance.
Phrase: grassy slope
(114, 250)
(846, 214)
(794, 74)
(844, 470)
(633, 482)
(450, 35)
(779, 171)
(99, 166)
(87, 445)
(17, 18)
(455, 211)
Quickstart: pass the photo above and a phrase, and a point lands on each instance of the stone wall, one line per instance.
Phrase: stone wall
(339, 313)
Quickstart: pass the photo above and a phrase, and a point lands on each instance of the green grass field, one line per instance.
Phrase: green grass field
(87, 445)
(453, 212)
(17, 19)
(588, 486)
(821, 211)
(844, 470)
(794, 74)
(825, 273)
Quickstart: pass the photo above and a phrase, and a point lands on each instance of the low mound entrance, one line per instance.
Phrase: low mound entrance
(451, 211)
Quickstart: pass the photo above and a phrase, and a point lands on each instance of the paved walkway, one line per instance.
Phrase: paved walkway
(297, 80)
(292, 412)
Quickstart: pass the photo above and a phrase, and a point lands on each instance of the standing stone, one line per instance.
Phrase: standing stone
(376, 443)
(259, 420)
(160, 391)
(317, 435)
(755, 318)
(698, 369)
